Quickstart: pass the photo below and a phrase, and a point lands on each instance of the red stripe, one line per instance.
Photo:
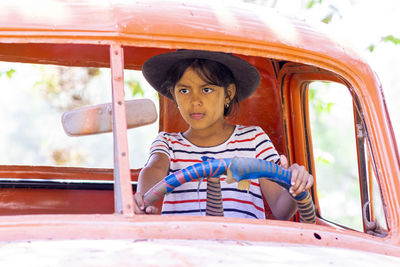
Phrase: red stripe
(155, 192)
(158, 145)
(183, 201)
(246, 140)
(219, 165)
(204, 170)
(224, 199)
(268, 148)
(255, 184)
(210, 168)
(244, 202)
(198, 175)
(180, 177)
(177, 142)
(174, 142)
(191, 177)
(167, 185)
(185, 160)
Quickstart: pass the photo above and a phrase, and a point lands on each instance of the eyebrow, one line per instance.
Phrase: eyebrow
(184, 85)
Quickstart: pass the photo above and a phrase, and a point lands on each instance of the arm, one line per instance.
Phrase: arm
(281, 203)
(154, 171)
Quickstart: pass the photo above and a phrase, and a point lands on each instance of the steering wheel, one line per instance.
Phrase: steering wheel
(238, 169)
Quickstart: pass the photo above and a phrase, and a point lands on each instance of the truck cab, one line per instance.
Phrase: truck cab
(320, 103)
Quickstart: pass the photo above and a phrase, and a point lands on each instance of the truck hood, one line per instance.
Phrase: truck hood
(175, 252)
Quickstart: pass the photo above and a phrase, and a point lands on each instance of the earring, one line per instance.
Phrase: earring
(227, 105)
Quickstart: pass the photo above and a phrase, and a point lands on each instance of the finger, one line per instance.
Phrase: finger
(138, 203)
(294, 179)
(284, 162)
(151, 210)
(137, 209)
(139, 200)
(303, 182)
(310, 182)
(299, 179)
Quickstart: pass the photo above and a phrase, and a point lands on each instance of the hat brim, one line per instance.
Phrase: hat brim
(246, 75)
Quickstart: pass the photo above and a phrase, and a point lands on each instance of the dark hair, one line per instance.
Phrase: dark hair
(209, 71)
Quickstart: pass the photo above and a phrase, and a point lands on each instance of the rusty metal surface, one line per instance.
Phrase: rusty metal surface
(53, 172)
(23, 201)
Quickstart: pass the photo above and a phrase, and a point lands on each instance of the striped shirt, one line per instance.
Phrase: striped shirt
(190, 198)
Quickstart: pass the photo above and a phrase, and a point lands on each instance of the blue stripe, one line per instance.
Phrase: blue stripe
(262, 142)
(161, 141)
(176, 137)
(242, 211)
(239, 134)
(203, 210)
(158, 149)
(213, 152)
(183, 211)
(270, 156)
(177, 191)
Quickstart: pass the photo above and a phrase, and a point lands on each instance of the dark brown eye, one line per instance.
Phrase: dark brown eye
(207, 90)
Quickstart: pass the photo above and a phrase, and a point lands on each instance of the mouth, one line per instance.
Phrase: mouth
(197, 116)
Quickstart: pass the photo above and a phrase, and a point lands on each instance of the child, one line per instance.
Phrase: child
(206, 86)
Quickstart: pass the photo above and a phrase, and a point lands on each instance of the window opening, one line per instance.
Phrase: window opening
(140, 139)
(335, 153)
(32, 102)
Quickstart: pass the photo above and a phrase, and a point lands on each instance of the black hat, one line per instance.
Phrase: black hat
(246, 76)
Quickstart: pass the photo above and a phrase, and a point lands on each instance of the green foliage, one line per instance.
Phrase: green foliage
(321, 109)
(391, 39)
(65, 88)
(324, 160)
(312, 3)
(319, 104)
(334, 150)
(327, 18)
(134, 87)
(9, 73)
(386, 39)
(371, 47)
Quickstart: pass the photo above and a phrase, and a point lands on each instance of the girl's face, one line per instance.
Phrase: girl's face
(201, 104)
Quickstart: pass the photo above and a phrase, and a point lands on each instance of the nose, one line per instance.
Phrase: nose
(196, 99)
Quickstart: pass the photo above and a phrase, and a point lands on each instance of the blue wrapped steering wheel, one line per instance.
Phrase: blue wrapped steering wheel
(238, 169)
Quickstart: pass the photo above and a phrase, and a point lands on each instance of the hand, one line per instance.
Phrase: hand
(139, 205)
(301, 179)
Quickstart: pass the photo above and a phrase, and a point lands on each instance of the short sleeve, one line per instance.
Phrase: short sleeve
(265, 150)
(161, 145)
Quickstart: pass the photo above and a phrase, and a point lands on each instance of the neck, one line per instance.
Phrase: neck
(212, 136)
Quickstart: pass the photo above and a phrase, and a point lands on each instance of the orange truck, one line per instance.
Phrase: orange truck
(313, 88)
